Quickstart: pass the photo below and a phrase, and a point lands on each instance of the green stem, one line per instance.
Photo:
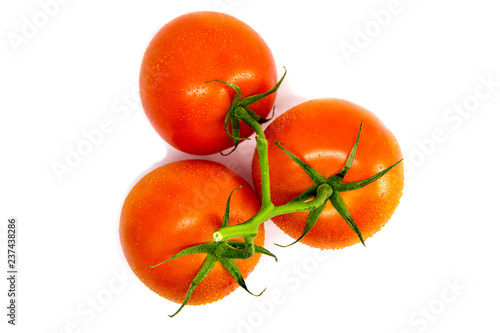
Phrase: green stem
(262, 150)
(262, 146)
(250, 227)
(324, 192)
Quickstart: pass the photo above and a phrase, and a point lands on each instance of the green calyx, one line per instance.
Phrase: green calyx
(241, 105)
(337, 186)
(224, 252)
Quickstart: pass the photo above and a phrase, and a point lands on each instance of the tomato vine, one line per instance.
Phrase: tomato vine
(224, 249)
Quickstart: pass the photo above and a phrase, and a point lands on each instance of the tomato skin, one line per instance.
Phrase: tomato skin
(188, 51)
(180, 205)
(322, 133)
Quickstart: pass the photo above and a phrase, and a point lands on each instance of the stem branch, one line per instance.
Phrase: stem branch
(250, 227)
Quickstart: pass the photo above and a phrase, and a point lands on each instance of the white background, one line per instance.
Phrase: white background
(433, 268)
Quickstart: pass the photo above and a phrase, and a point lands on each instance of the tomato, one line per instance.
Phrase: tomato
(322, 133)
(189, 51)
(177, 206)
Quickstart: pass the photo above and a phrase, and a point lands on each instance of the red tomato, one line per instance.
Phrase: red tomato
(322, 133)
(188, 51)
(177, 206)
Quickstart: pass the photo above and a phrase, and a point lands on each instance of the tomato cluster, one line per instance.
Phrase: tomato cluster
(327, 172)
